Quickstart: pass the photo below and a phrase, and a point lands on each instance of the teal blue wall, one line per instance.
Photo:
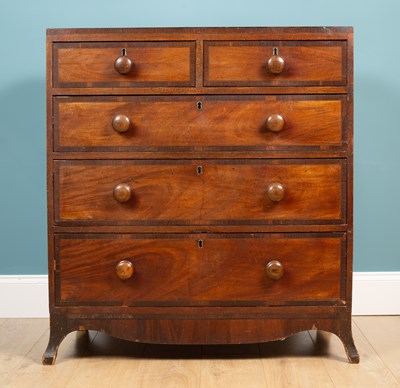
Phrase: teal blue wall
(22, 106)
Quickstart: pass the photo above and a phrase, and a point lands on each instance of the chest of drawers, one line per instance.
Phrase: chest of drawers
(200, 183)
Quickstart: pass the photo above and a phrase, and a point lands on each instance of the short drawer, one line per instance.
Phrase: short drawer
(245, 63)
(203, 269)
(154, 123)
(84, 65)
(200, 192)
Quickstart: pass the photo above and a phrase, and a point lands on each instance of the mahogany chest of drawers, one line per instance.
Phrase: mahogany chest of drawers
(200, 183)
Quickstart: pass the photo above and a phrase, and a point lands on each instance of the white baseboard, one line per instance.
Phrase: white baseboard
(26, 296)
(376, 293)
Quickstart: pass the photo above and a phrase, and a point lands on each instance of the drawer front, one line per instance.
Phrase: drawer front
(245, 63)
(173, 270)
(86, 65)
(154, 123)
(200, 192)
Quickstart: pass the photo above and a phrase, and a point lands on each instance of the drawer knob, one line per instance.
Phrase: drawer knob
(274, 269)
(275, 191)
(275, 123)
(122, 192)
(123, 64)
(124, 269)
(121, 123)
(276, 64)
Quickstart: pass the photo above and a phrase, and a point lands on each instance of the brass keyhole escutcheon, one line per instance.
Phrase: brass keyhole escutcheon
(200, 244)
(199, 105)
(199, 170)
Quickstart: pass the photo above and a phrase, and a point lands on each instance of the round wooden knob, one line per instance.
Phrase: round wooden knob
(275, 191)
(274, 269)
(275, 123)
(121, 123)
(122, 192)
(124, 269)
(123, 64)
(276, 64)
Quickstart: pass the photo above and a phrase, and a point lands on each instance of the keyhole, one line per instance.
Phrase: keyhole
(199, 105)
(199, 170)
(200, 244)
(123, 52)
(275, 51)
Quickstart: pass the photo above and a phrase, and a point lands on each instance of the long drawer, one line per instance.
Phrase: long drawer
(200, 192)
(203, 269)
(153, 123)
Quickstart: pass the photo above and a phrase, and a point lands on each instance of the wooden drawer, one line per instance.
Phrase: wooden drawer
(154, 123)
(244, 63)
(173, 270)
(86, 65)
(200, 192)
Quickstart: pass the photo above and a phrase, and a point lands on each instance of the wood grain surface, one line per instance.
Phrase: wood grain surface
(225, 192)
(243, 63)
(154, 64)
(223, 123)
(174, 270)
